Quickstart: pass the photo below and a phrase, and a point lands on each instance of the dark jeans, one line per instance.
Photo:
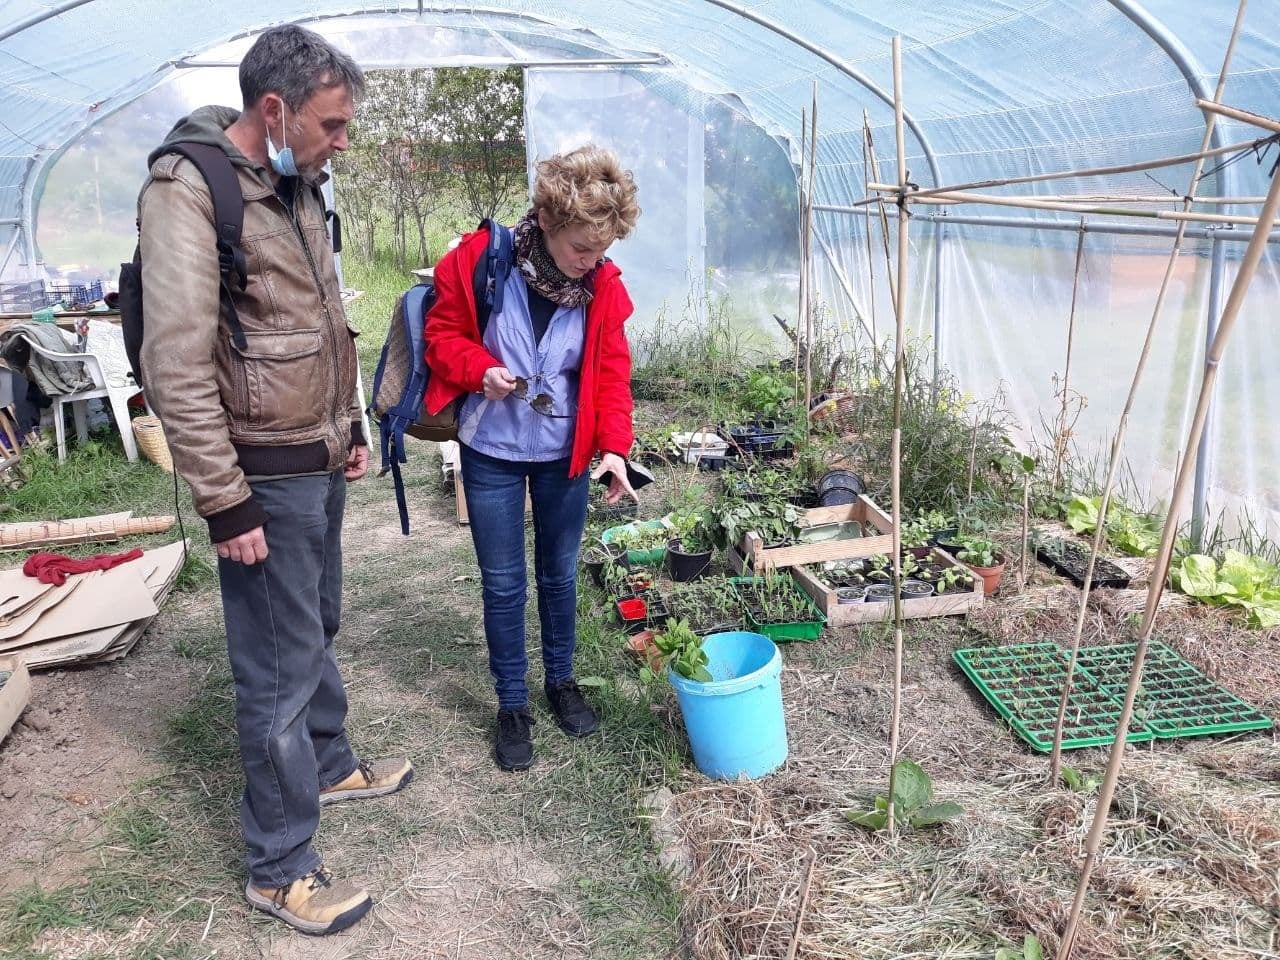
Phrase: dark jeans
(281, 617)
(495, 504)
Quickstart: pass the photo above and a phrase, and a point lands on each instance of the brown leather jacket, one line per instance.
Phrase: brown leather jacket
(286, 404)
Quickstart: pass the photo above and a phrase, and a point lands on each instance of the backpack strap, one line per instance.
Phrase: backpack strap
(396, 420)
(228, 222)
(491, 284)
(335, 231)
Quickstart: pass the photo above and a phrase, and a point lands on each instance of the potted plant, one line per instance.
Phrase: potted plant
(679, 650)
(689, 550)
(984, 558)
(599, 555)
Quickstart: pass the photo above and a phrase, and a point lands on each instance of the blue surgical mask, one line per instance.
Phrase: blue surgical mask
(281, 160)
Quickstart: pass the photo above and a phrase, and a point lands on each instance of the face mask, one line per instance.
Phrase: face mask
(281, 160)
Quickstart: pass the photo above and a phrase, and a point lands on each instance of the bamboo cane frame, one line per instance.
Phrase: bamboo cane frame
(1138, 167)
(1248, 266)
(899, 368)
(884, 220)
(808, 243)
(1060, 439)
(1244, 276)
(871, 269)
(1235, 113)
(1029, 203)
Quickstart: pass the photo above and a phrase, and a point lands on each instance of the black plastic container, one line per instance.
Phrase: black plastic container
(839, 487)
(683, 566)
(1071, 558)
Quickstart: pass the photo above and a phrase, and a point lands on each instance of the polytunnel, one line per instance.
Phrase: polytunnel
(991, 90)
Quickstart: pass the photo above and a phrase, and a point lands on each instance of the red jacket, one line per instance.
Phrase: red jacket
(458, 359)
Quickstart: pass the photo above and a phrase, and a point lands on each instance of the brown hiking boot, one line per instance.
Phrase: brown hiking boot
(316, 903)
(375, 779)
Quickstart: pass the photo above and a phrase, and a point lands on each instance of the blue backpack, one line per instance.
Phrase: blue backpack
(400, 383)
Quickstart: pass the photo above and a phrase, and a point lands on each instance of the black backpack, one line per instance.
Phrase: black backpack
(228, 216)
(400, 384)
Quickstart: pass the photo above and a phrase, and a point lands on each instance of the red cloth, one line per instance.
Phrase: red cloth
(458, 359)
(55, 567)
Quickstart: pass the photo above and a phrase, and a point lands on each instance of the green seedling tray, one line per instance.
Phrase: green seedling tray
(1024, 684)
(1175, 699)
(643, 558)
(782, 632)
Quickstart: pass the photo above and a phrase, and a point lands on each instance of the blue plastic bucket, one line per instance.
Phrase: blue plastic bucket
(735, 722)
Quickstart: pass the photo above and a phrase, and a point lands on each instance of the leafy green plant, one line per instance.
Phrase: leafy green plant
(912, 806)
(1137, 534)
(1030, 950)
(979, 552)
(1081, 782)
(774, 518)
(767, 393)
(693, 530)
(681, 650)
(1244, 581)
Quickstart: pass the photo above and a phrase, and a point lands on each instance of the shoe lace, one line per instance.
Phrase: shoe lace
(366, 771)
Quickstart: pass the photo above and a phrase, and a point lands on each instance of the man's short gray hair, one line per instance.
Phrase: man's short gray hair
(295, 62)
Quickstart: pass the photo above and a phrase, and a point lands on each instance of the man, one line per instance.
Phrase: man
(267, 434)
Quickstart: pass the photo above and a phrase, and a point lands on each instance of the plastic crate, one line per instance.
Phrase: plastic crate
(1024, 684)
(73, 294)
(1175, 699)
(809, 629)
(24, 296)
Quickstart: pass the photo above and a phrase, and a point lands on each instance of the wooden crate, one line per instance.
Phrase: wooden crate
(844, 614)
(15, 693)
(877, 530)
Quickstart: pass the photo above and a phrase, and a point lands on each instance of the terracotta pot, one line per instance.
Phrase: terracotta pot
(643, 648)
(990, 576)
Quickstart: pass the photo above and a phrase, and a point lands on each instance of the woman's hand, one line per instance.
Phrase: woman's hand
(613, 464)
(498, 382)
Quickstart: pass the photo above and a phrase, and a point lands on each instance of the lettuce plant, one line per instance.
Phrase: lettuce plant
(1250, 583)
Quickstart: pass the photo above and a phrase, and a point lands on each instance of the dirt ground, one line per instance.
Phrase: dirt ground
(464, 864)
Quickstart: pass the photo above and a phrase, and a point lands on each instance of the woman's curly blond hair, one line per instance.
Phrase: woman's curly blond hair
(587, 186)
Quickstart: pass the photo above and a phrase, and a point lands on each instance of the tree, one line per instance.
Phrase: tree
(481, 122)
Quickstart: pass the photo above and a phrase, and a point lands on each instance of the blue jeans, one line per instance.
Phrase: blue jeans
(495, 492)
(281, 617)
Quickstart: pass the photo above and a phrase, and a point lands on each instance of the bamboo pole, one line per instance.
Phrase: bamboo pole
(1248, 266)
(1117, 445)
(1029, 203)
(794, 945)
(884, 219)
(899, 367)
(871, 269)
(1138, 167)
(40, 533)
(1244, 276)
(808, 240)
(1235, 113)
(805, 207)
(1059, 439)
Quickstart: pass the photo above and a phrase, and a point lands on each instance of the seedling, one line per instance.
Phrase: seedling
(681, 650)
(1030, 950)
(912, 793)
(1079, 782)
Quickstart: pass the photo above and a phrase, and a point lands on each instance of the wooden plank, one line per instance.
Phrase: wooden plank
(15, 694)
(846, 614)
(863, 511)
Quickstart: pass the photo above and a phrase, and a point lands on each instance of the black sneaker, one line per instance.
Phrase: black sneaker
(572, 712)
(514, 747)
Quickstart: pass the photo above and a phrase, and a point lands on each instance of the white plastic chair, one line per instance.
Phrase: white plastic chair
(107, 365)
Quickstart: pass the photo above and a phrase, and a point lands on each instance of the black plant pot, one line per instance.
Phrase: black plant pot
(838, 487)
(684, 566)
(596, 558)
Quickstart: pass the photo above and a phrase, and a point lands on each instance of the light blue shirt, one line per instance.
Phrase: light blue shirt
(510, 429)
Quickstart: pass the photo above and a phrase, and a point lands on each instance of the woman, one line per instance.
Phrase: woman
(546, 388)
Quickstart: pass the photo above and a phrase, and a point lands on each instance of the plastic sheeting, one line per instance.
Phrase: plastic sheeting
(993, 89)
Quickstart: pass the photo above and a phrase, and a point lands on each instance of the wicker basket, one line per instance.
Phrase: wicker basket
(150, 435)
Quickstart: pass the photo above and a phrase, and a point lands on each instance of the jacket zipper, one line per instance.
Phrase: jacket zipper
(324, 300)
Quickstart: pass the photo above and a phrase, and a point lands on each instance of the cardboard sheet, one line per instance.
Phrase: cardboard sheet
(18, 626)
(161, 568)
(17, 593)
(113, 597)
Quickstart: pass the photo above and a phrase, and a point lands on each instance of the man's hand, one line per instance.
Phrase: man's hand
(357, 463)
(498, 382)
(248, 548)
(613, 464)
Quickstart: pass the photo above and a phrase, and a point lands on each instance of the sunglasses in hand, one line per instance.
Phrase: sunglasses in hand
(540, 403)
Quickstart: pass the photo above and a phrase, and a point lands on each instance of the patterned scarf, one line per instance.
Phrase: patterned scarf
(540, 270)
